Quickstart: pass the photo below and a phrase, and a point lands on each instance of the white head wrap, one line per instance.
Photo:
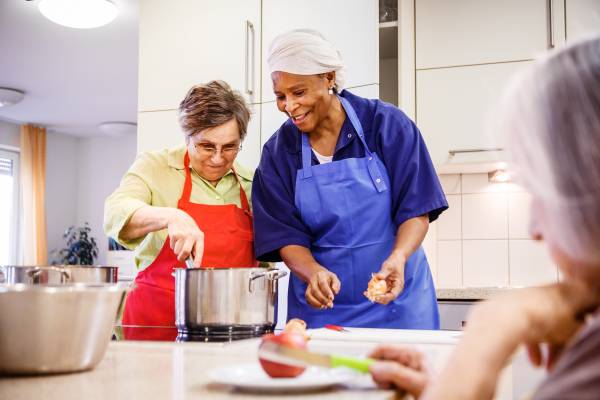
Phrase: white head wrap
(305, 52)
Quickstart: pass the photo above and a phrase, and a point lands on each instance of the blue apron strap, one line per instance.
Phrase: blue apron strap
(306, 157)
(372, 166)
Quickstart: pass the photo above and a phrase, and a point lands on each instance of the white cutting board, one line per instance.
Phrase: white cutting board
(410, 336)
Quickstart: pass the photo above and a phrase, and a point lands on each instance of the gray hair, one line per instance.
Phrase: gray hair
(212, 104)
(552, 115)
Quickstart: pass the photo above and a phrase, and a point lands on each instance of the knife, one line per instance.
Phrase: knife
(293, 356)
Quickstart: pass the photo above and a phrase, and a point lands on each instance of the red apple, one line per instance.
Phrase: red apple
(278, 370)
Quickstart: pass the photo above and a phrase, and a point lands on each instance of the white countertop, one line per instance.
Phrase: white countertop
(474, 293)
(178, 371)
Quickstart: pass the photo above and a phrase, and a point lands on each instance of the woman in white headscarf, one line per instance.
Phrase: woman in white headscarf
(552, 114)
(344, 194)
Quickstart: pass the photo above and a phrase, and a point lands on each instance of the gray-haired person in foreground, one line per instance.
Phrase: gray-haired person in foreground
(551, 114)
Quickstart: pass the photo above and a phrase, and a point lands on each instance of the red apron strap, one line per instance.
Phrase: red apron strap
(243, 197)
(187, 186)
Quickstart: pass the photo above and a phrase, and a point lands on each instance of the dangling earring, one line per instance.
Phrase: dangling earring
(330, 90)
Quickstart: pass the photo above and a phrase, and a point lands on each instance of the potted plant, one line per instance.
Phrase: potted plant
(81, 247)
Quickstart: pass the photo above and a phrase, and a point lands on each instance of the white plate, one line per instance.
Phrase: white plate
(251, 377)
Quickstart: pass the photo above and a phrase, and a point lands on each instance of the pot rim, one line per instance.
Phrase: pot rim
(79, 287)
(59, 266)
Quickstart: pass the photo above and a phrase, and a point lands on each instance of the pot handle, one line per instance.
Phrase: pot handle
(276, 274)
(253, 276)
(34, 274)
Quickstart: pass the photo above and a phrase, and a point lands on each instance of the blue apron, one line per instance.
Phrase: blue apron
(347, 206)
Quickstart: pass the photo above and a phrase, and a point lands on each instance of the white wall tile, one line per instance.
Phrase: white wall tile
(485, 263)
(449, 268)
(479, 183)
(485, 216)
(450, 183)
(449, 222)
(530, 263)
(519, 205)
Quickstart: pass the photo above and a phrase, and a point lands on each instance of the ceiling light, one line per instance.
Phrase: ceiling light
(499, 176)
(9, 96)
(79, 13)
(118, 128)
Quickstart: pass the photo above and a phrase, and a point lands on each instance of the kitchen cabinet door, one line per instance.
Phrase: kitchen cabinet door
(188, 42)
(466, 32)
(582, 18)
(351, 25)
(160, 129)
(454, 106)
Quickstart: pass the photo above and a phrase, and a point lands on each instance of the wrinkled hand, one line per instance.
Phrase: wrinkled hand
(400, 367)
(322, 287)
(392, 271)
(185, 237)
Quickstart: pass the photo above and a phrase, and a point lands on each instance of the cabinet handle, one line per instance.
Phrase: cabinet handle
(550, 14)
(249, 89)
(460, 151)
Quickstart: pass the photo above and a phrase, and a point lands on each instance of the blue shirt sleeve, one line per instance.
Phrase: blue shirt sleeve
(416, 189)
(277, 221)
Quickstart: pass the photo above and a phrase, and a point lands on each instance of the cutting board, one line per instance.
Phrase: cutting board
(374, 335)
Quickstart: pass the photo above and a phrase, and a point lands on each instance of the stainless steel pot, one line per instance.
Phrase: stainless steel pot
(56, 328)
(57, 274)
(225, 297)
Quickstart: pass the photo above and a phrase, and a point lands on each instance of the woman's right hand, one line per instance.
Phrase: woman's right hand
(185, 237)
(322, 286)
(401, 367)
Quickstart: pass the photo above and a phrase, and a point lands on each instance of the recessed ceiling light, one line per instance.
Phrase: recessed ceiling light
(79, 13)
(9, 96)
(118, 128)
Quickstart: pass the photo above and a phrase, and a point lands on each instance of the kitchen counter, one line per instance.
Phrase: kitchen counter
(162, 370)
(475, 293)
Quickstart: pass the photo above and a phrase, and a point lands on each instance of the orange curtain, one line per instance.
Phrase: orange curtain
(33, 190)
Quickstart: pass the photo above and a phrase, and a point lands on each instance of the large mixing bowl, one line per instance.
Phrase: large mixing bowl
(55, 274)
(56, 328)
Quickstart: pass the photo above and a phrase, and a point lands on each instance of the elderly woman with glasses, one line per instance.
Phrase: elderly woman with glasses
(173, 204)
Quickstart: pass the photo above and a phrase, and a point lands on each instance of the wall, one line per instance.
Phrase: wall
(80, 173)
(102, 162)
(9, 134)
(483, 240)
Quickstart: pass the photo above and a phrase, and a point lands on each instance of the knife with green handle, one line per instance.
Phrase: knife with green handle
(283, 354)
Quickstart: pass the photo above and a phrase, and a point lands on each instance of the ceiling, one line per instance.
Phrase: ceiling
(73, 79)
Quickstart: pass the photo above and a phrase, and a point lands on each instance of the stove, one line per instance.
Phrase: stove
(212, 333)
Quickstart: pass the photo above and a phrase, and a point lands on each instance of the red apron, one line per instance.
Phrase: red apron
(228, 242)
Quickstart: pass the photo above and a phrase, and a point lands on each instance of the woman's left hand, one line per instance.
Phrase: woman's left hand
(392, 271)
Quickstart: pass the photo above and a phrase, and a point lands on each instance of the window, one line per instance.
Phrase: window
(9, 210)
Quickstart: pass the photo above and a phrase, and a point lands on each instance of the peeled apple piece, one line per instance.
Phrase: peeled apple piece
(376, 288)
(278, 370)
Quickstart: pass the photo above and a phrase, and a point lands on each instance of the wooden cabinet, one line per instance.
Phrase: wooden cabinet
(454, 106)
(351, 25)
(466, 32)
(453, 313)
(187, 42)
(582, 18)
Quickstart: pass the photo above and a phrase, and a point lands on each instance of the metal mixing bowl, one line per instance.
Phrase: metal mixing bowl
(56, 328)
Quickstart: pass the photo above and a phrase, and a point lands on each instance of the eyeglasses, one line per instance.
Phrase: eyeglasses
(210, 150)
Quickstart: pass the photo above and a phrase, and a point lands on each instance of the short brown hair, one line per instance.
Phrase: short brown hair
(210, 105)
